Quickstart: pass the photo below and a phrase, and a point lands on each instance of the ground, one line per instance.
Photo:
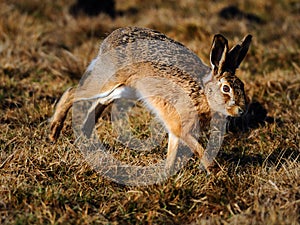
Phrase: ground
(45, 48)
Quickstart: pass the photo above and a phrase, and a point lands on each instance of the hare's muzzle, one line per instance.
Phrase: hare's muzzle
(236, 111)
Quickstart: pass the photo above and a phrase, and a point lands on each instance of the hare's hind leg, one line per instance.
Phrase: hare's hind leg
(103, 100)
(60, 114)
(92, 117)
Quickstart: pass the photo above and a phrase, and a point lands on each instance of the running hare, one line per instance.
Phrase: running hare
(144, 64)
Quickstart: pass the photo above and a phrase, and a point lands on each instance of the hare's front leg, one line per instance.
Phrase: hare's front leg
(197, 149)
(172, 152)
(192, 143)
(60, 114)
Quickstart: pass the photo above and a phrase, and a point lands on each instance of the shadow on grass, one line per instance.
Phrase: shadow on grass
(256, 117)
(95, 7)
(276, 159)
(232, 12)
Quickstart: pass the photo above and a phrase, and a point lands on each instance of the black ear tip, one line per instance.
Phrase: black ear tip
(248, 38)
(220, 39)
(219, 36)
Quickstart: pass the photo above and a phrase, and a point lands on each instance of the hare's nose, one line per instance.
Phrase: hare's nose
(240, 111)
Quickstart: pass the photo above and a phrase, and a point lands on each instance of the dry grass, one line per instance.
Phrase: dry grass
(44, 50)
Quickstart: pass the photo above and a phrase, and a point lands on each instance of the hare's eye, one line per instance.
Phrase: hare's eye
(226, 88)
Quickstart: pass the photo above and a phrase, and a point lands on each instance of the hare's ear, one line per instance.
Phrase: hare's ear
(237, 54)
(218, 53)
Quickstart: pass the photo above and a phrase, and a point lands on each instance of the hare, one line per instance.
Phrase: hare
(150, 79)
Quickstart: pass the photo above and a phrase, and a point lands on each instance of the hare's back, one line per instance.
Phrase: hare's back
(127, 35)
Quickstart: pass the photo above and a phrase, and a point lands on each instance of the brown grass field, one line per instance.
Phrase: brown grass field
(44, 49)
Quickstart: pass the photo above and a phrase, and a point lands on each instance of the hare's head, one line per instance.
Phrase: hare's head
(224, 90)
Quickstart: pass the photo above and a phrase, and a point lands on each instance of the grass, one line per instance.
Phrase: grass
(44, 50)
